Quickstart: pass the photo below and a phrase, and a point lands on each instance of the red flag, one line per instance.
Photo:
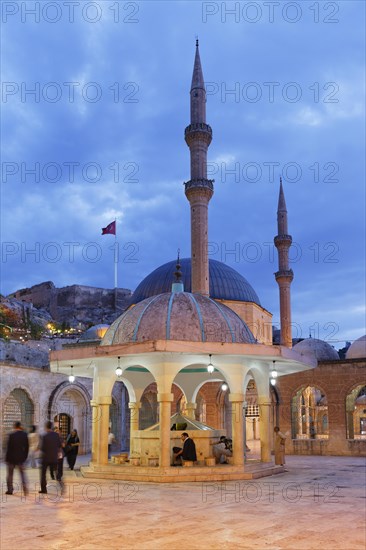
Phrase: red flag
(110, 229)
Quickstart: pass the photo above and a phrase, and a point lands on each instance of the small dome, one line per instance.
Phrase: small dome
(318, 348)
(225, 282)
(178, 316)
(357, 350)
(93, 333)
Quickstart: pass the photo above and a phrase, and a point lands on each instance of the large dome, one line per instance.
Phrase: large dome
(225, 282)
(178, 316)
(357, 350)
(318, 348)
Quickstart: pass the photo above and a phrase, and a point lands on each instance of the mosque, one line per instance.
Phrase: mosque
(194, 351)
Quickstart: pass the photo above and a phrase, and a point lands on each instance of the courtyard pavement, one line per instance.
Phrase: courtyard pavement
(319, 503)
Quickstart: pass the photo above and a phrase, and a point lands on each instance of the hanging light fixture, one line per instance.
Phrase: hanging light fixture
(210, 367)
(118, 369)
(274, 374)
(72, 377)
(224, 387)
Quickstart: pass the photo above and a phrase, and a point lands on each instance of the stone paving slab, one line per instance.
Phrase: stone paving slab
(320, 502)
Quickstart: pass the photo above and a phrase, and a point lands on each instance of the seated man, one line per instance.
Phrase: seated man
(221, 451)
(189, 449)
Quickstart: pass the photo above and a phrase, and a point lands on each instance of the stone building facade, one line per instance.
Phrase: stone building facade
(323, 410)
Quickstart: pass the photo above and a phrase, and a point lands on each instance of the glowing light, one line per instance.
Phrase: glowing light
(118, 369)
(210, 367)
(72, 377)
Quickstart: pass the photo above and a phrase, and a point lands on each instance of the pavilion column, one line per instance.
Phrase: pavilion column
(94, 427)
(165, 401)
(134, 422)
(237, 400)
(264, 427)
(191, 408)
(102, 429)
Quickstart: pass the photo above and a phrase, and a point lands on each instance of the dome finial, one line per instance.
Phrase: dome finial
(177, 285)
(177, 272)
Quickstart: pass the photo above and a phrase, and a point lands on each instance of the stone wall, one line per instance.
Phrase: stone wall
(31, 356)
(46, 395)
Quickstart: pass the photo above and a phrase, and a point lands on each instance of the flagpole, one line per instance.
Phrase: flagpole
(115, 267)
(111, 229)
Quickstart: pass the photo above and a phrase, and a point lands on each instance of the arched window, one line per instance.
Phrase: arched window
(356, 413)
(18, 407)
(309, 414)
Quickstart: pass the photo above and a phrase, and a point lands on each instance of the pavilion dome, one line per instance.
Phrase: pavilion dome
(312, 347)
(96, 332)
(357, 350)
(225, 282)
(178, 316)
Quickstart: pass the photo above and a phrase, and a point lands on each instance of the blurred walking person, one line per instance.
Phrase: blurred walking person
(60, 459)
(50, 448)
(16, 455)
(33, 439)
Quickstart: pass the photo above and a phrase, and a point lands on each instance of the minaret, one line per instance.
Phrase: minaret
(284, 275)
(199, 189)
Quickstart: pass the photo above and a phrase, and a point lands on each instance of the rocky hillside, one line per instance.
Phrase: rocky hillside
(74, 306)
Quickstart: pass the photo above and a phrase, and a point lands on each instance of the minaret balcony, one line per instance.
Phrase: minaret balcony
(285, 274)
(199, 183)
(198, 130)
(198, 126)
(283, 240)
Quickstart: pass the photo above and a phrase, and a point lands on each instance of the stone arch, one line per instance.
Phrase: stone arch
(309, 413)
(356, 412)
(129, 388)
(149, 411)
(207, 397)
(74, 401)
(18, 406)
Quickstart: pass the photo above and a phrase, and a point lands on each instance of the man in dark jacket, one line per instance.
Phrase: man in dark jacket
(51, 447)
(16, 455)
(189, 448)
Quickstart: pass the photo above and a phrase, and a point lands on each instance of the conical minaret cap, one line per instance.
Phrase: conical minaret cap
(281, 200)
(197, 77)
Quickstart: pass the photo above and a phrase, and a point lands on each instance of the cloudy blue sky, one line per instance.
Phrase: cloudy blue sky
(95, 102)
